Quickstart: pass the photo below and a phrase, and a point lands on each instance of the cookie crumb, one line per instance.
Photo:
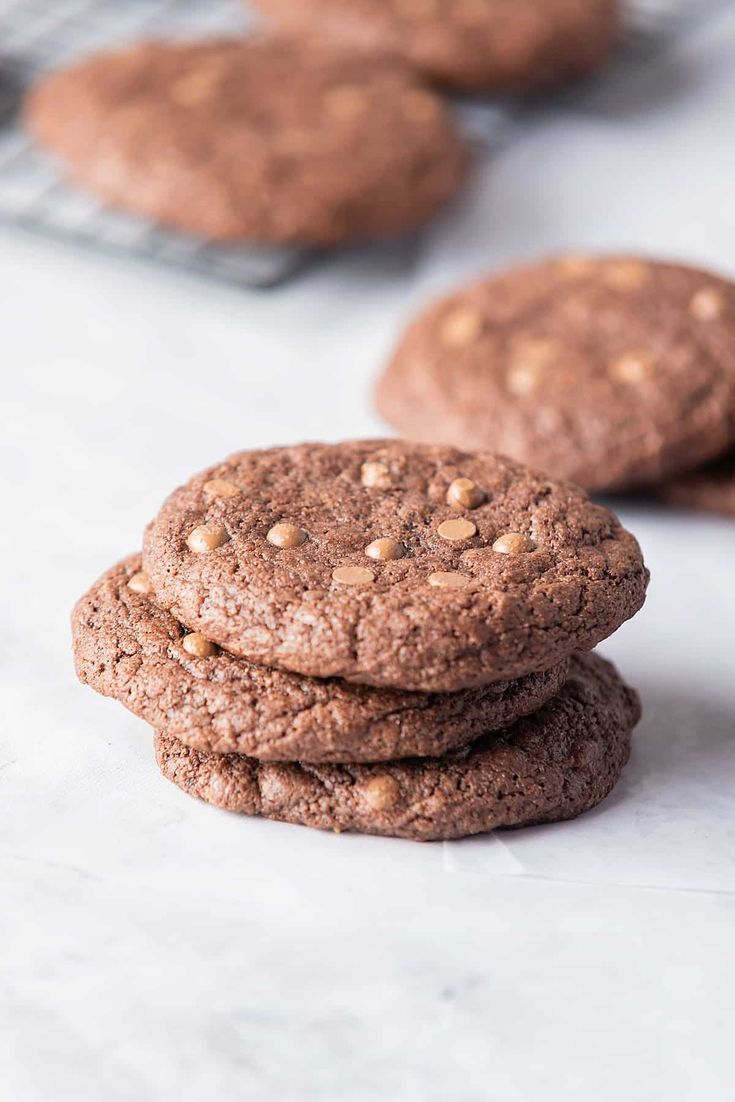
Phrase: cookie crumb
(376, 476)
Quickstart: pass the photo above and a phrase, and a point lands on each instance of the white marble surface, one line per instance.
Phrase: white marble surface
(152, 948)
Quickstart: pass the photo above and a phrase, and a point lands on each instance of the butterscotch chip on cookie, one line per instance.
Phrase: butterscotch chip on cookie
(395, 586)
(478, 45)
(710, 489)
(552, 765)
(614, 372)
(237, 140)
(127, 647)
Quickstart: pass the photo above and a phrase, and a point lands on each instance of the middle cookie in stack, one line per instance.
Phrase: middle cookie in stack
(372, 602)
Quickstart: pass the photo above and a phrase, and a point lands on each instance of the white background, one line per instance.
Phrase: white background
(154, 948)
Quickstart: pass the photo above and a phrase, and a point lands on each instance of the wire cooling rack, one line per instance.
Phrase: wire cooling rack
(36, 35)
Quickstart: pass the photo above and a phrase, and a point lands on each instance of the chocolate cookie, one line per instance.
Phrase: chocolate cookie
(549, 766)
(614, 372)
(489, 45)
(711, 489)
(393, 564)
(267, 142)
(126, 647)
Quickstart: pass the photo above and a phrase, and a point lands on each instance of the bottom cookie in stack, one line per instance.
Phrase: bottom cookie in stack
(538, 749)
(549, 766)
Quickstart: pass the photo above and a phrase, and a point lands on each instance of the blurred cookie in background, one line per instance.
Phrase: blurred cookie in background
(245, 140)
(614, 372)
(468, 45)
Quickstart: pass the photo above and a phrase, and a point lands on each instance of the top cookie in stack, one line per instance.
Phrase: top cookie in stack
(376, 636)
(414, 567)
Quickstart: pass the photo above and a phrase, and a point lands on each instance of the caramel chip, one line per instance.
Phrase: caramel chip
(207, 537)
(382, 792)
(459, 529)
(286, 536)
(707, 304)
(513, 543)
(626, 275)
(197, 645)
(461, 326)
(196, 87)
(385, 549)
(463, 493)
(447, 579)
(530, 360)
(576, 266)
(139, 582)
(220, 487)
(353, 575)
(634, 367)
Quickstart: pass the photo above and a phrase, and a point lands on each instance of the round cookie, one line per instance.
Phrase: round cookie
(552, 765)
(711, 489)
(238, 140)
(126, 647)
(393, 564)
(612, 372)
(470, 45)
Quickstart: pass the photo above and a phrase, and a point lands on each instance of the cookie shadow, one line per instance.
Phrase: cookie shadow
(642, 86)
(683, 748)
(12, 90)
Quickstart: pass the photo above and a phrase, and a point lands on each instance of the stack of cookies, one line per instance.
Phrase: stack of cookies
(374, 636)
(616, 372)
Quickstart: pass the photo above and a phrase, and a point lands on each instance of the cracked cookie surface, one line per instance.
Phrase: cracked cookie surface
(128, 648)
(258, 141)
(422, 568)
(614, 372)
(472, 45)
(550, 766)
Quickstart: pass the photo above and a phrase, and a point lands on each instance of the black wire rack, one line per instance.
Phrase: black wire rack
(37, 35)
